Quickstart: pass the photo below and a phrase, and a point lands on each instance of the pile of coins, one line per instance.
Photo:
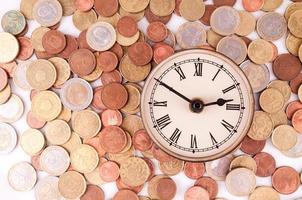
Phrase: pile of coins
(84, 124)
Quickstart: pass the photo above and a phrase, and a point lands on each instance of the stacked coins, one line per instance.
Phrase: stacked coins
(84, 127)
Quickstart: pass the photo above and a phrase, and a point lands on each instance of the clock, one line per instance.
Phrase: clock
(197, 105)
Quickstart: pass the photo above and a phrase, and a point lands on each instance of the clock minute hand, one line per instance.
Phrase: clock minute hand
(174, 91)
(219, 102)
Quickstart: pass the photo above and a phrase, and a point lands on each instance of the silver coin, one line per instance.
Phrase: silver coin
(19, 76)
(47, 189)
(54, 160)
(47, 12)
(191, 35)
(233, 47)
(258, 75)
(225, 20)
(12, 110)
(76, 94)
(218, 169)
(296, 151)
(101, 36)
(22, 176)
(13, 22)
(8, 138)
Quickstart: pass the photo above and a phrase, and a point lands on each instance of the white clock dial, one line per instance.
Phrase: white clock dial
(197, 105)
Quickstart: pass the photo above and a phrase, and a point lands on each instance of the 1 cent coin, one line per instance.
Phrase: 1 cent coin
(286, 180)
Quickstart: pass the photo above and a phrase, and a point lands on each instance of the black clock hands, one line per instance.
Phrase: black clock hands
(174, 91)
(219, 102)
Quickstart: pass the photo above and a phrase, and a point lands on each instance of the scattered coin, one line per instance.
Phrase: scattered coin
(286, 180)
(191, 10)
(54, 42)
(247, 23)
(113, 139)
(32, 141)
(111, 118)
(13, 22)
(293, 44)
(266, 164)
(284, 137)
(194, 170)
(47, 188)
(57, 132)
(114, 96)
(72, 185)
(264, 192)
(9, 48)
(12, 110)
(260, 51)
(83, 20)
(190, 30)
(8, 139)
(244, 161)
(218, 169)
(262, 126)
(271, 100)
(286, 67)
(209, 184)
(294, 25)
(196, 192)
(47, 12)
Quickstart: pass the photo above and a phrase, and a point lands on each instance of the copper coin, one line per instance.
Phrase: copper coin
(292, 107)
(127, 26)
(97, 100)
(106, 8)
(286, 67)
(160, 155)
(9, 68)
(224, 2)
(194, 170)
(151, 167)
(111, 118)
(95, 143)
(151, 17)
(140, 53)
(121, 186)
(107, 61)
(251, 147)
(162, 52)
(252, 5)
(266, 164)
(295, 83)
(34, 122)
(209, 185)
(141, 140)
(118, 50)
(114, 96)
(297, 120)
(196, 193)
(109, 171)
(35, 162)
(157, 31)
(26, 48)
(83, 41)
(93, 192)
(125, 195)
(113, 139)
(111, 77)
(53, 42)
(3, 79)
(166, 189)
(83, 5)
(71, 46)
(205, 19)
(82, 62)
(286, 180)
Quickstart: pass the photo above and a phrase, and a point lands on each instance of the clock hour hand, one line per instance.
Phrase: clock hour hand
(219, 102)
(174, 91)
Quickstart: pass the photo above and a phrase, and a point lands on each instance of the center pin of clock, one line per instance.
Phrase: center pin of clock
(196, 106)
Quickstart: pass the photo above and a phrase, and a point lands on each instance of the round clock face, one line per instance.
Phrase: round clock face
(197, 105)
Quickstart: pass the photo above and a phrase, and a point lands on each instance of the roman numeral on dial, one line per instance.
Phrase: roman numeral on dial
(163, 121)
(160, 103)
(227, 125)
(213, 79)
(198, 69)
(214, 141)
(175, 136)
(229, 89)
(193, 142)
(233, 106)
(180, 73)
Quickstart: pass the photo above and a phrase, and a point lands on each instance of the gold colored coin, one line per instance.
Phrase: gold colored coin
(129, 143)
(279, 118)
(127, 41)
(131, 72)
(94, 176)
(62, 68)
(247, 23)
(134, 5)
(84, 158)
(262, 126)
(191, 10)
(293, 44)
(46, 105)
(284, 137)
(9, 47)
(283, 87)
(264, 192)
(271, 5)
(26, 7)
(68, 7)
(152, 186)
(5, 94)
(295, 23)
(134, 171)
(94, 75)
(72, 185)
(162, 8)
(36, 38)
(57, 132)
(73, 142)
(244, 161)
(260, 51)
(172, 167)
(32, 142)
(271, 100)
(83, 20)
(86, 123)
(111, 20)
(137, 16)
(41, 74)
(134, 98)
(293, 7)
(121, 157)
(213, 38)
(132, 123)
